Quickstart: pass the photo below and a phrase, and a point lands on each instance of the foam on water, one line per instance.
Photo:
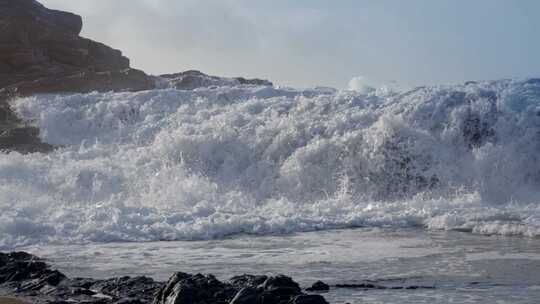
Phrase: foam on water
(171, 165)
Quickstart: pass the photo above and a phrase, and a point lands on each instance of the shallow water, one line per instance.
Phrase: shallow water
(463, 267)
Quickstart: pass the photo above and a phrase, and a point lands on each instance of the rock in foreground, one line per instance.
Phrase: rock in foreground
(246, 289)
(29, 278)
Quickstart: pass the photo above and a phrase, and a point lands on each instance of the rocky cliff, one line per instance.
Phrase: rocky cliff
(41, 52)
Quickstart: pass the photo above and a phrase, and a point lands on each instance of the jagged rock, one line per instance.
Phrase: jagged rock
(308, 299)
(41, 52)
(245, 289)
(38, 42)
(82, 82)
(248, 280)
(30, 277)
(247, 295)
(27, 276)
(318, 286)
(19, 266)
(194, 289)
(140, 288)
(281, 286)
(190, 80)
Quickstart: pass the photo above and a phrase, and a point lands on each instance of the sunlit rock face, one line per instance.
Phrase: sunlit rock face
(39, 42)
(41, 52)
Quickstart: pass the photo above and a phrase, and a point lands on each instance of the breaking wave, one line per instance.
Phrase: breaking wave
(170, 164)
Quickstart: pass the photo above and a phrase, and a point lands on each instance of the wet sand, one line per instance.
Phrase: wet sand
(7, 300)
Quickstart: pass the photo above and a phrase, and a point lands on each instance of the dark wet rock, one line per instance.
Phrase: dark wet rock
(361, 286)
(419, 287)
(43, 280)
(187, 288)
(190, 80)
(142, 288)
(247, 295)
(245, 289)
(27, 276)
(308, 299)
(82, 291)
(319, 286)
(247, 280)
(372, 285)
(27, 272)
(281, 282)
(129, 301)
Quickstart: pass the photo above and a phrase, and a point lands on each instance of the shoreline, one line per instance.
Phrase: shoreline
(27, 278)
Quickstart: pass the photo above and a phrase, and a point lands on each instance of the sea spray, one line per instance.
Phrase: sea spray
(169, 164)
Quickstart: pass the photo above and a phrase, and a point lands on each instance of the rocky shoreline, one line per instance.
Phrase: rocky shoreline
(31, 280)
(41, 51)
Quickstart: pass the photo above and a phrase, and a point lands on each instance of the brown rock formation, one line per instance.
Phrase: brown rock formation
(190, 80)
(41, 52)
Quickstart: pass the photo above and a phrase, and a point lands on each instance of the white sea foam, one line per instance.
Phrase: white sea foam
(169, 164)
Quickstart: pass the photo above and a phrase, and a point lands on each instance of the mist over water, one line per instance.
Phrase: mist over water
(180, 165)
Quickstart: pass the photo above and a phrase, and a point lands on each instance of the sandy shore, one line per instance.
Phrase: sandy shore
(6, 300)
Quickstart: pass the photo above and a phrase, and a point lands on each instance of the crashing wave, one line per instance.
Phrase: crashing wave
(171, 164)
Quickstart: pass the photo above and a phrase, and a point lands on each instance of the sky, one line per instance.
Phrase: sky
(306, 43)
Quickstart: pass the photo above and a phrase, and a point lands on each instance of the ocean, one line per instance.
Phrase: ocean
(435, 186)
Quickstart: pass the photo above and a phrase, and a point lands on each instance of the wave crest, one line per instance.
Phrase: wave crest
(171, 164)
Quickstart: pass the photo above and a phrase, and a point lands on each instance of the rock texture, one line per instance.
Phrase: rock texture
(190, 80)
(41, 52)
(184, 288)
(36, 42)
(319, 286)
(29, 278)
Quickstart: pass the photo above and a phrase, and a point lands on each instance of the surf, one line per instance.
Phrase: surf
(170, 164)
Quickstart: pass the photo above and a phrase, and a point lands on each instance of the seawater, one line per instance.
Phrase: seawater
(213, 162)
(444, 180)
(461, 267)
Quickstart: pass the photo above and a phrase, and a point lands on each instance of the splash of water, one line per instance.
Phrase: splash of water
(169, 164)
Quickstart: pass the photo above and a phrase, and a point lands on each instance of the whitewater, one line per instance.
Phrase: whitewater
(213, 162)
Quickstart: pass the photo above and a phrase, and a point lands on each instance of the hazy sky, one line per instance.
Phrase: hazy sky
(315, 42)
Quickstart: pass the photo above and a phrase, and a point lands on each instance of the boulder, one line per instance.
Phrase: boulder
(194, 289)
(308, 299)
(29, 277)
(246, 289)
(27, 272)
(319, 286)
